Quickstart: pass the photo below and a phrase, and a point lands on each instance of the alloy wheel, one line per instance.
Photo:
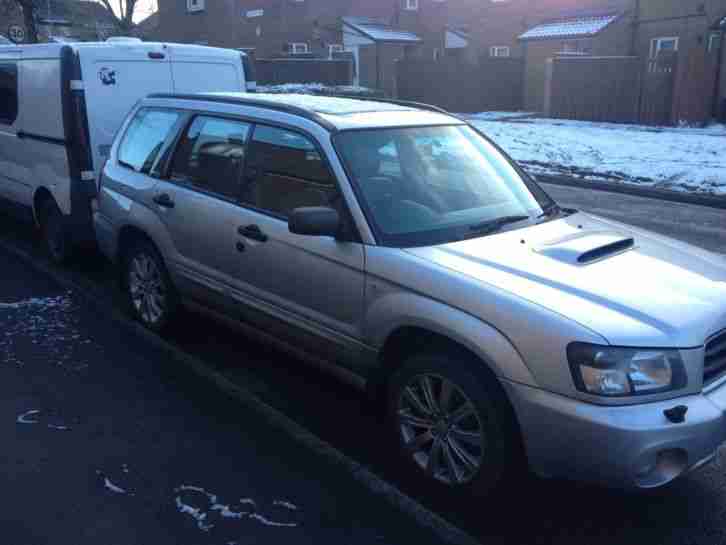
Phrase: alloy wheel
(147, 289)
(440, 429)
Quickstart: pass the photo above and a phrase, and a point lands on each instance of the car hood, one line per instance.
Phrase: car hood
(630, 286)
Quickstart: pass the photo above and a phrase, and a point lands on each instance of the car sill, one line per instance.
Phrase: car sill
(340, 373)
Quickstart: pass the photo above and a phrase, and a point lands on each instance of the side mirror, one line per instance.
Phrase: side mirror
(316, 221)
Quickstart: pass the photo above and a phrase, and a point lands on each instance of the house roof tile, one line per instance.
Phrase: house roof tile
(379, 31)
(570, 27)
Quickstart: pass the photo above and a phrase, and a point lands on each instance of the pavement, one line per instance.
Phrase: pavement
(151, 427)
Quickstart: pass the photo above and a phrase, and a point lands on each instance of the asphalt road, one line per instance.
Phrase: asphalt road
(104, 441)
(692, 510)
(700, 225)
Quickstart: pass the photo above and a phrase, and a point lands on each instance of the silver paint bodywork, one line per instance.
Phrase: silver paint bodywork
(514, 299)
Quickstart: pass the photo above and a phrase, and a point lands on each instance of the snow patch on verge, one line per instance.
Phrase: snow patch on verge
(679, 159)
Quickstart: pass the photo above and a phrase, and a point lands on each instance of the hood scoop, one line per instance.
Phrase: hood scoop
(585, 248)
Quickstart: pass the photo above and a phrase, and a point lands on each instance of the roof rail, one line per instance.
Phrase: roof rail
(255, 103)
(409, 103)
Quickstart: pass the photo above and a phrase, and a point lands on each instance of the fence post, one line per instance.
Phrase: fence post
(549, 72)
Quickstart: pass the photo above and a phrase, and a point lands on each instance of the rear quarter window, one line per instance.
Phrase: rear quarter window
(8, 92)
(145, 137)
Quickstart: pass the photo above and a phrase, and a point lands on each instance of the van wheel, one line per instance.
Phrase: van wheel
(55, 233)
(149, 292)
(452, 426)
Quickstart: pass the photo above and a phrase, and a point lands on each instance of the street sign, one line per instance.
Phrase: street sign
(16, 33)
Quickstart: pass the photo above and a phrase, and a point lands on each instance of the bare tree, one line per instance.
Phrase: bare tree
(124, 15)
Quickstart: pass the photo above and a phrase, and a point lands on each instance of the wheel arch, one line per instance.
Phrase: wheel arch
(128, 235)
(429, 324)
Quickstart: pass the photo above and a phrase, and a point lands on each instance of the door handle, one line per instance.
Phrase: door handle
(253, 232)
(164, 201)
(240, 247)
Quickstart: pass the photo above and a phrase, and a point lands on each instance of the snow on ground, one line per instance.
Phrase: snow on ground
(315, 89)
(676, 158)
(499, 116)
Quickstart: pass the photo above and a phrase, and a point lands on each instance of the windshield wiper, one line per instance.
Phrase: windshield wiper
(492, 226)
(549, 210)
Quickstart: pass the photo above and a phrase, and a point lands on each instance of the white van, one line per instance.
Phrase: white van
(60, 107)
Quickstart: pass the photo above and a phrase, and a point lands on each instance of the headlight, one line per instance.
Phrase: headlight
(613, 372)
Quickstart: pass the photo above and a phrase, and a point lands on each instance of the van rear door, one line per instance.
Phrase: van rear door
(197, 69)
(115, 77)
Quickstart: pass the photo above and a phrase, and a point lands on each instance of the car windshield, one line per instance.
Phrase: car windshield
(432, 185)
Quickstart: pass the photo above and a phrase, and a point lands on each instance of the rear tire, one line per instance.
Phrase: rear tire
(149, 293)
(452, 425)
(55, 233)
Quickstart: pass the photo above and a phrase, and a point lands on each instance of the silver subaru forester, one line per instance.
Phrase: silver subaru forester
(401, 249)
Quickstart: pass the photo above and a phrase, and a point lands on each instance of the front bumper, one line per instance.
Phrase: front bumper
(633, 446)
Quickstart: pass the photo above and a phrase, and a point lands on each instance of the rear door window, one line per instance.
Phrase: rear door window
(8, 92)
(145, 137)
(286, 172)
(211, 156)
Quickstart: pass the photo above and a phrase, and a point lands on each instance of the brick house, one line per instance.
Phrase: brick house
(273, 28)
(642, 28)
(605, 30)
(695, 31)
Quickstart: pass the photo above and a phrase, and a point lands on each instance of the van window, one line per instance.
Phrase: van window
(211, 155)
(290, 172)
(145, 137)
(8, 92)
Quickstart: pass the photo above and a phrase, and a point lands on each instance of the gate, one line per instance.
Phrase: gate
(656, 100)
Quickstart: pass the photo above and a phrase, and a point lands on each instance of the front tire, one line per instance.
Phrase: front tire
(452, 424)
(149, 293)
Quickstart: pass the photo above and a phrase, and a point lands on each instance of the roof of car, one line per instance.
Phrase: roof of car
(333, 113)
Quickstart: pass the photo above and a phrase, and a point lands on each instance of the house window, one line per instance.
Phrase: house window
(576, 47)
(412, 5)
(298, 48)
(499, 51)
(663, 44)
(334, 48)
(195, 5)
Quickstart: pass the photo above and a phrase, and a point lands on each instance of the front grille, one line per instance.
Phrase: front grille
(715, 361)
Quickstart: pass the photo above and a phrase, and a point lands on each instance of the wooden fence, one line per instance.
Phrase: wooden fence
(623, 90)
(327, 72)
(593, 88)
(458, 86)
